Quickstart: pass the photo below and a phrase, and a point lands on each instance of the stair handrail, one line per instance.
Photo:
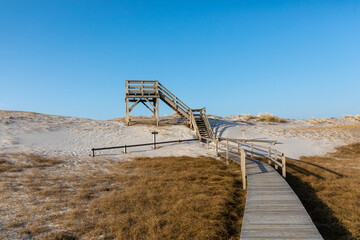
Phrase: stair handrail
(194, 125)
(207, 123)
(176, 100)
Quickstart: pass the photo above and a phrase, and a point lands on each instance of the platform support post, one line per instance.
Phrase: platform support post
(157, 111)
(127, 112)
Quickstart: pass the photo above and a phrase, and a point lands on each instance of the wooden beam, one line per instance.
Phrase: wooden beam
(147, 107)
(134, 105)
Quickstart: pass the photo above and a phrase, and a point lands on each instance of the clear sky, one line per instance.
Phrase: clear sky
(295, 59)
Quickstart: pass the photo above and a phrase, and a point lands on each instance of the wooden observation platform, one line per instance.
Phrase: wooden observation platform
(150, 92)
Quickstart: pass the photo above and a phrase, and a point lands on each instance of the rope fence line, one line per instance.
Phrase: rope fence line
(125, 147)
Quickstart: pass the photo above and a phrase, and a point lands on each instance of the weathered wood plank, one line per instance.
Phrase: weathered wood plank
(273, 210)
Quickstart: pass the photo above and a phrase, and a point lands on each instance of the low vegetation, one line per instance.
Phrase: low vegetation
(320, 120)
(356, 117)
(329, 187)
(270, 118)
(147, 198)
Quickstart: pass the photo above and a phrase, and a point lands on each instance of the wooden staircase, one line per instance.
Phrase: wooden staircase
(201, 123)
(149, 92)
(201, 126)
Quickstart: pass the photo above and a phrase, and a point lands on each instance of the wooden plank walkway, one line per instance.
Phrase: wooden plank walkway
(273, 210)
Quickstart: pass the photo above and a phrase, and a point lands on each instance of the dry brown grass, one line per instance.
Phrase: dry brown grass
(270, 118)
(329, 187)
(320, 120)
(334, 127)
(356, 117)
(148, 198)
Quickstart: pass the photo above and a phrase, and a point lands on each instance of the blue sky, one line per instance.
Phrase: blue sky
(295, 59)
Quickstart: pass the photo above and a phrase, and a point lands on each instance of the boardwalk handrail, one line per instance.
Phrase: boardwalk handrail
(241, 153)
(271, 154)
(142, 144)
(244, 140)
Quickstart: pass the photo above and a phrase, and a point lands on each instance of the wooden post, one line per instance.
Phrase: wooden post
(125, 149)
(243, 166)
(269, 155)
(276, 158)
(238, 146)
(207, 143)
(157, 111)
(93, 152)
(283, 159)
(127, 102)
(227, 152)
(217, 146)
(127, 111)
(252, 150)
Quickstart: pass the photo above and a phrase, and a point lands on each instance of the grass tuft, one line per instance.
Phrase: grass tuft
(270, 118)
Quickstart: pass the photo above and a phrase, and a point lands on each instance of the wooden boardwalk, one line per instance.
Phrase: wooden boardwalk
(273, 210)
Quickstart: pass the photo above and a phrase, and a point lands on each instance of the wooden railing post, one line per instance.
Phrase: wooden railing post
(283, 159)
(227, 152)
(207, 143)
(252, 150)
(243, 170)
(217, 146)
(238, 146)
(276, 158)
(269, 155)
(125, 149)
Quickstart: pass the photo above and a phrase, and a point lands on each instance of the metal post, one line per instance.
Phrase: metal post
(154, 138)
(283, 165)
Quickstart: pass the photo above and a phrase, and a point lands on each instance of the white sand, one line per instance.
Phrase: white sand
(58, 135)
